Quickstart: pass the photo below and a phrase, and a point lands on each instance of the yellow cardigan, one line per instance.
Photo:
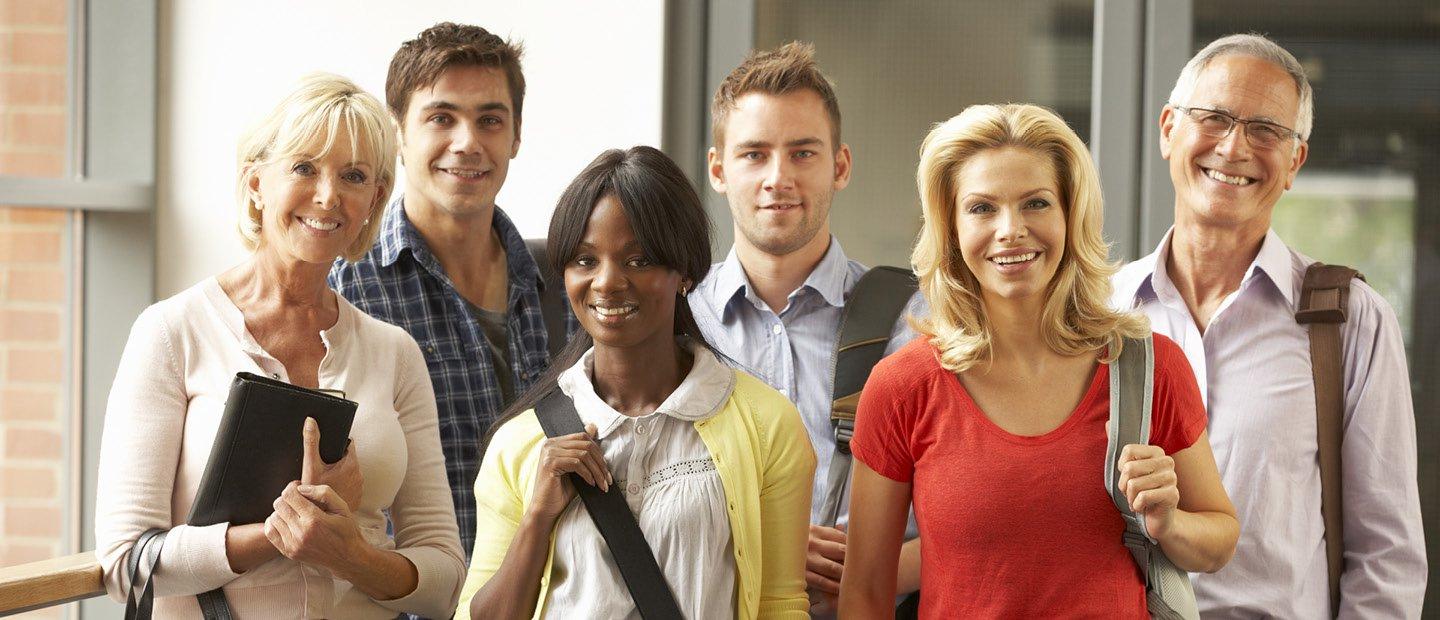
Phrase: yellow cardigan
(765, 463)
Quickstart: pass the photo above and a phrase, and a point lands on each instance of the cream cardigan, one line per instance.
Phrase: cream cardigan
(160, 422)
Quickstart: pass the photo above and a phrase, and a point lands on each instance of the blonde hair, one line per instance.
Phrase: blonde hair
(314, 113)
(1077, 317)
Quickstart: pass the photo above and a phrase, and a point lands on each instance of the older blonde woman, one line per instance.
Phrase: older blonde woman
(312, 177)
(994, 421)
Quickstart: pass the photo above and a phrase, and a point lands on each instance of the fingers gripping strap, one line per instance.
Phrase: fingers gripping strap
(612, 516)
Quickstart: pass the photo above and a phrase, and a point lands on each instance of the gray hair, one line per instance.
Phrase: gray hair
(1255, 46)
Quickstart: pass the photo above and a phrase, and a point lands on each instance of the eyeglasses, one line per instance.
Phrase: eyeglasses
(1263, 135)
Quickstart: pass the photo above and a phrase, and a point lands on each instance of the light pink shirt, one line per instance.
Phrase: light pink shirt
(160, 422)
(1253, 367)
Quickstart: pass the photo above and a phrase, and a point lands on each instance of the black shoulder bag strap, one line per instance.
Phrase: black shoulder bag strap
(145, 552)
(870, 314)
(552, 298)
(1324, 300)
(616, 523)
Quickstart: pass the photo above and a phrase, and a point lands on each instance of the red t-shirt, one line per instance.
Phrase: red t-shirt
(1013, 526)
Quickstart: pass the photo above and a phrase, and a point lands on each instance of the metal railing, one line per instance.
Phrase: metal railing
(36, 585)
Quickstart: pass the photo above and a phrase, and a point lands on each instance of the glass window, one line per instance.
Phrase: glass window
(901, 67)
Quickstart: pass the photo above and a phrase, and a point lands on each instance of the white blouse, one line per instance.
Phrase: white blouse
(672, 486)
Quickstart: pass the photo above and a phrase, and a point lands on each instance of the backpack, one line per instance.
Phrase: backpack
(870, 314)
(1132, 381)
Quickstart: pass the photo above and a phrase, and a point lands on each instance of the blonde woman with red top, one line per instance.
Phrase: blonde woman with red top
(993, 422)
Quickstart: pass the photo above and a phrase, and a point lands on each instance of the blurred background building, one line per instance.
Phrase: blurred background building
(119, 121)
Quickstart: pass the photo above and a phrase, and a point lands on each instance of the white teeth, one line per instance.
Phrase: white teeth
(622, 310)
(469, 174)
(320, 224)
(1017, 258)
(1225, 178)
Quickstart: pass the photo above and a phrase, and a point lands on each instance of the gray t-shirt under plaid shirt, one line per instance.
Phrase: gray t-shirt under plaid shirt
(401, 282)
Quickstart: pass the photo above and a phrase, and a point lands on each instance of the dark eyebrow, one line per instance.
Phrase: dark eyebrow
(493, 106)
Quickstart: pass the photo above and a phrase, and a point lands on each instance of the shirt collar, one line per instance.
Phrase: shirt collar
(397, 233)
(699, 396)
(1150, 278)
(827, 278)
(1274, 261)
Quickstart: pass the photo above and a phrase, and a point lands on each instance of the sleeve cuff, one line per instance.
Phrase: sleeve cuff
(437, 587)
(200, 552)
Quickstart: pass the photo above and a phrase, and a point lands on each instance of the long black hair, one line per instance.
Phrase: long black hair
(668, 220)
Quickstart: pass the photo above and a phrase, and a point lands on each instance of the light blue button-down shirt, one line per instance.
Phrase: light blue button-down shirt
(792, 351)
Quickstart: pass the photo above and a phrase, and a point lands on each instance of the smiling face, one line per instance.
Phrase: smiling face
(779, 170)
(456, 141)
(621, 298)
(1225, 182)
(314, 207)
(1010, 222)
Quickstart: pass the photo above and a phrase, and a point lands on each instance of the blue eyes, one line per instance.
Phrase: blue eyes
(980, 208)
(307, 169)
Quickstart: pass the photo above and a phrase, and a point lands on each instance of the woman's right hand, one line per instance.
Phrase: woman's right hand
(578, 454)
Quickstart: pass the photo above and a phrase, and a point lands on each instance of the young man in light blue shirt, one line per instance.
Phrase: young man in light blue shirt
(775, 303)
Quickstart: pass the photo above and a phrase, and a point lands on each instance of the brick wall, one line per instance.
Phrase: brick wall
(36, 271)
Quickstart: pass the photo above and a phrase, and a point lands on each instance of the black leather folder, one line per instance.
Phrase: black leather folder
(258, 447)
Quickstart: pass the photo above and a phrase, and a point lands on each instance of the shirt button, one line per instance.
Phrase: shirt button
(776, 329)
(633, 488)
(732, 506)
(639, 429)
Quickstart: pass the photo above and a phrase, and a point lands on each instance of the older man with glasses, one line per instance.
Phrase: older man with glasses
(1226, 288)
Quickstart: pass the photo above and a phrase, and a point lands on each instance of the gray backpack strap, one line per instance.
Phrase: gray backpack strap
(870, 314)
(553, 305)
(1132, 388)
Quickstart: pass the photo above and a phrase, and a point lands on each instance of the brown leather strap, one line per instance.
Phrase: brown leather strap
(1324, 298)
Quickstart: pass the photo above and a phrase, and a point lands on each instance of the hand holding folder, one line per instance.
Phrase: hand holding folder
(258, 448)
(342, 476)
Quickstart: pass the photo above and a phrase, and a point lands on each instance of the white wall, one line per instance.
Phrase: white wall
(593, 73)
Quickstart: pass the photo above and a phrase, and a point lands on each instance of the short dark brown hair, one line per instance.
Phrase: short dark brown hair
(786, 69)
(420, 61)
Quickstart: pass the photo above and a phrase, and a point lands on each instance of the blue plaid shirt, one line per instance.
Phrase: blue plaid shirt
(400, 282)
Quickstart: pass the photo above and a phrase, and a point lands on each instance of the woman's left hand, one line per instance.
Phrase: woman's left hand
(1147, 475)
(313, 525)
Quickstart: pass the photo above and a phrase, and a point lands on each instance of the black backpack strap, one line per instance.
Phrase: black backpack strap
(870, 314)
(553, 305)
(613, 518)
(1324, 301)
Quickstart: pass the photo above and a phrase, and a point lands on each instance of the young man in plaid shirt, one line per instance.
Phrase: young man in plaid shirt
(450, 267)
